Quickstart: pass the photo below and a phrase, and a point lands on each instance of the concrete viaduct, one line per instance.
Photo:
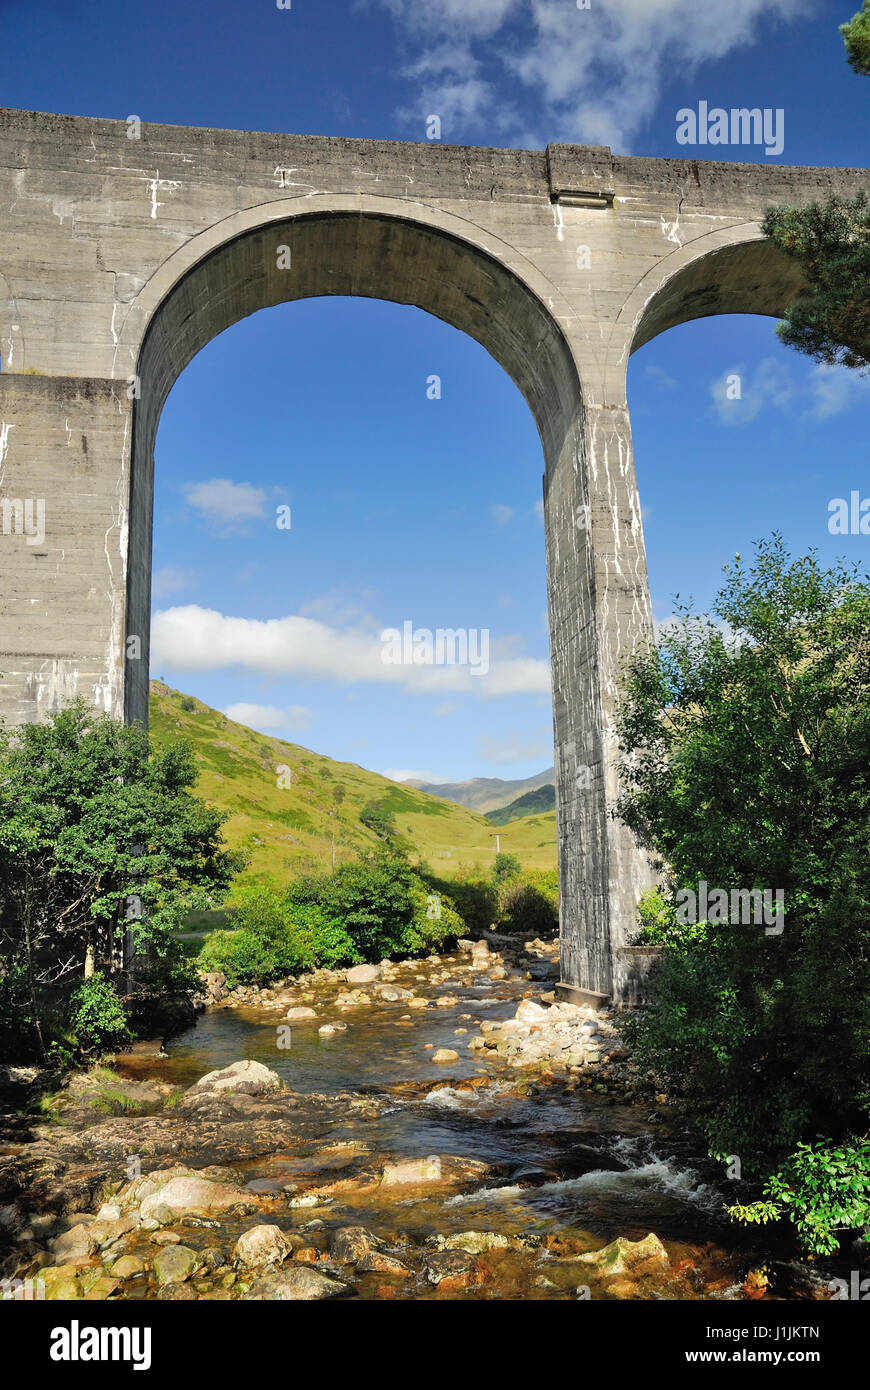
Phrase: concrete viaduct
(124, 250)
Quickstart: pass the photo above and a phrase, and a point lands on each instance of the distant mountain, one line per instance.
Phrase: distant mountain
(484, 794)
(529, 804)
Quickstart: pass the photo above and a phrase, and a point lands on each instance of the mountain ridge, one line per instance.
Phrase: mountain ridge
(483, 794)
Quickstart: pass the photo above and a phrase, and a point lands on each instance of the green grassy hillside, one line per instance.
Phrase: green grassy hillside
(541, 799)
(287, 830)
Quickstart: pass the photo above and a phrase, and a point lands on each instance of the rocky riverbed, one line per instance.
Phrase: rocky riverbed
(415, 1130)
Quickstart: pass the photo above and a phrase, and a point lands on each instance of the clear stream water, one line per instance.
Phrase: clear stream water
(574, 1165)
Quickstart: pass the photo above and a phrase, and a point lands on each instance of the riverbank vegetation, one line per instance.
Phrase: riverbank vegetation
(104, 849)
(746, 766)
(374, 907)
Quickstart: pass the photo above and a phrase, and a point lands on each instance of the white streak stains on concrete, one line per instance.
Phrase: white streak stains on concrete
(157, 185)
(56, 685)
(4, 445)
(558, 222)
(110, 692)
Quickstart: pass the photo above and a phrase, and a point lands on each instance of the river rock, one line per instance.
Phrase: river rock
(175, 1263)
(61, 1282)
(77, 1243)
(247, 1078)
(262, 1245)
(455, 1269)
(412, 1170)
(445, 1054)
(479, 1242)
(296, 1282)
(530, 1012)
(177, 1293)
(376, 1262)
(128, 1267)
(184, 1193)
(98, 1287)
(349, 1244)
(300, 1012)
(362, 974)
(622, 1256)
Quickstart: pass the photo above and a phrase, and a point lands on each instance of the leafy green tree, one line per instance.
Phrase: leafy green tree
(856, 36)
(96, 1016)
(377, 816)
(505, 866)
(745, 756)
(830, 241)
(272, 935)
(99, 838)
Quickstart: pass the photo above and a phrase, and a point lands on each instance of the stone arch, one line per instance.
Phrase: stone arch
(732, 271)
(389, 250)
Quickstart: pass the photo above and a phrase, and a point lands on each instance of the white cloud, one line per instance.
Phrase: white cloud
(410, 775)
(190, 638)
(770, 383)
(225, 503)
(835, 390)
(501, 514)
(829, 391)
(268, 717)
(585, 76)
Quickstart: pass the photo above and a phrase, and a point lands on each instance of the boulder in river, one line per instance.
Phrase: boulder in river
(181, 1194)
(623, 1256)
(175, 1263)
(262, 1245)
(297, 1282)
(362, 974)
(350, 1243)
(247, 1078)
(412, 1170)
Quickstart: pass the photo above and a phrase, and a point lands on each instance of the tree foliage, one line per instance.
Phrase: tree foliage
(365, 910)
(830, 321)
(856, 37)
(99, 837)
(746, 764)
(377, 816)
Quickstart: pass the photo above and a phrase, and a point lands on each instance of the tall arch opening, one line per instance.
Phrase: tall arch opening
(375, 256)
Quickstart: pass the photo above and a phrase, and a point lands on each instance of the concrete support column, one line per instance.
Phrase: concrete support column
(599, 610)
(64, 478)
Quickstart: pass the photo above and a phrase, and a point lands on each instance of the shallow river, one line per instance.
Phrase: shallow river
(576, 1164)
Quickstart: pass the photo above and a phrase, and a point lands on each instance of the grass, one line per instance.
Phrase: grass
(288, 830)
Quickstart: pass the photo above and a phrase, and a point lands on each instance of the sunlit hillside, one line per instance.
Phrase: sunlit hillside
(287, 814)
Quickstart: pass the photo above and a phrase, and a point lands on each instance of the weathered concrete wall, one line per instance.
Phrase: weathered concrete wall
(122, 257)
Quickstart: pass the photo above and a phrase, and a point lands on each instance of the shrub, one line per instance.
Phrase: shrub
(745, 765)
(96, 1017)
(506, 866)
(473, 895)
(364, 910)
(529, 903)
(822, 1190)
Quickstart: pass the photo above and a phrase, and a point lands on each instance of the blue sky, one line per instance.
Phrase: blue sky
(405, 507)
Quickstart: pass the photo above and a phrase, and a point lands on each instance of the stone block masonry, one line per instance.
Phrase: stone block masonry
(122, 257)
